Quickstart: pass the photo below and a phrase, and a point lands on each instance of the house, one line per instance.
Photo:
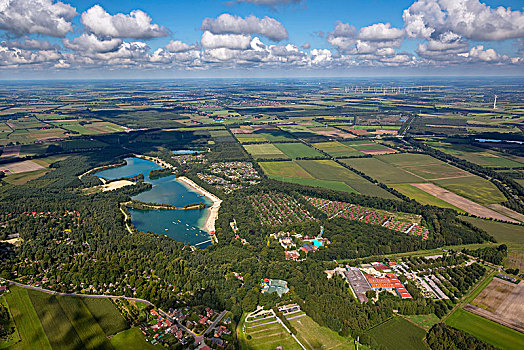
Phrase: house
(3, 289)
(306, 248)
(179, 335)
(203, 320)
(153, 312)
(292, 255)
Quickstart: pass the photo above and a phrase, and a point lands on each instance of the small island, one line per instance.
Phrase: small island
(195, 206)
(158, 173)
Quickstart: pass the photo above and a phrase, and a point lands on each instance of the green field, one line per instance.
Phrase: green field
(423, 197)
(312, 336)
(298, 150)
(131, 339)
(435, 171)
(265, 151)
(486, 330)
(501, 231)
(475, 188)
(247, 138)
(276, 136)
(424, 321)
(328, 170)
(337, 149)
(46, 321)
(22, 178)
(12, 338)
(284, 169)
(331, 185)
(407, 159)
(381, 171)
(27, 322)
(398, 333)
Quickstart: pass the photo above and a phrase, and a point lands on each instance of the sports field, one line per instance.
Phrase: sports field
(313, 336)
(398, 333)
(265, 151)
(486, 330)
(45, 321)
(265, 335)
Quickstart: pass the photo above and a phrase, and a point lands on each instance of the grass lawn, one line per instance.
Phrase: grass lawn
(313, 336)
(26, 319)
(424, 321)
(131, 339)
(486, 330)
(381, 171)
(423, 197)
(298, 150)
(474, 188)
(398, 333)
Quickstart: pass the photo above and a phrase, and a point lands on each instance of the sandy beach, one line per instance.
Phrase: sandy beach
(209, 225)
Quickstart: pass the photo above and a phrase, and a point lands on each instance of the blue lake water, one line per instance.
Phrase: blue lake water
(182, 225)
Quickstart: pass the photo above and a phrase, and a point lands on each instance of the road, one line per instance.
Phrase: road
(213, 325)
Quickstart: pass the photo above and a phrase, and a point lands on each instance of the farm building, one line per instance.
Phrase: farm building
(391, 282)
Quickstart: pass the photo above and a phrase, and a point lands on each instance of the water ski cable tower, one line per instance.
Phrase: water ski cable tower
(495, 102)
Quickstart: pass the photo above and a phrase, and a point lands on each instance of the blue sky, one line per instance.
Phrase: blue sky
(57, 39)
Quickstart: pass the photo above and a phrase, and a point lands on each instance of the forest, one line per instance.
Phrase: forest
(78, 242)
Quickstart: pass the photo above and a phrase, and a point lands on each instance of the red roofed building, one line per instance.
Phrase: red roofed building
(153, 312)
(389, 283)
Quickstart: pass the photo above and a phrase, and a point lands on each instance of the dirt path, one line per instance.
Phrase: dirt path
(461, 202)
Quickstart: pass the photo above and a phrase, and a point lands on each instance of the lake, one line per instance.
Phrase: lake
(182, 225)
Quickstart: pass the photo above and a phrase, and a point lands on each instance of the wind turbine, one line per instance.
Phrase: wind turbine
(495, 102)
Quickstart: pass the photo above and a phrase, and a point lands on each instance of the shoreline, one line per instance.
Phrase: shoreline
(209, 225)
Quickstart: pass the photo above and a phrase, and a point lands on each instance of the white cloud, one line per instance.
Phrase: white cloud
(229, 24)
(135, 25)
(178, 46)
(380, 32)
(469, 18)
(91, 43)
(31, 44)
(488, 55)
(14, 57)
(306, 45)
(229, 41)
(36, 17)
